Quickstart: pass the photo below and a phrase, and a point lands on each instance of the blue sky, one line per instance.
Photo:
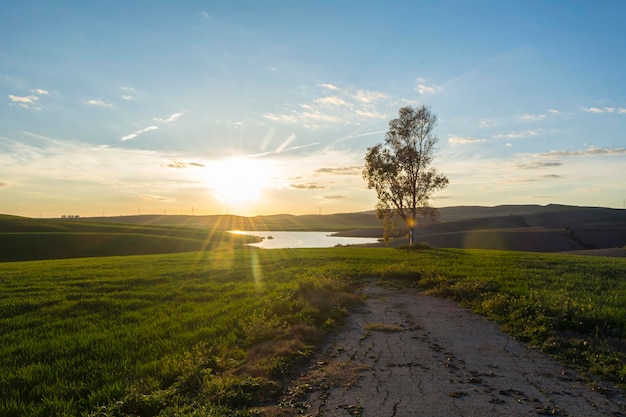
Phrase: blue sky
(262, 107)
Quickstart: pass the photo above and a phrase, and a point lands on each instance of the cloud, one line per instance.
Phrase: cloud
(25, 102)
(156, 198)
(329, 86)
(319, 117)
(170, 119)
(517, 135)
(137, 133)
(179, 164)
(280, 148)
(353, 170)
(280, 118)
(4, 184)
(422, 88)
(335, 197)
(592, 151)
(600, 110)
(487, 123)
(540, 165)
(371, 114)
(348, 106)
(307, 186)
(23, 99)
(534, 179)
(367, 96)
(40, 91)
(99, 103)
(331, 101)
(455, 140)
(534, 117)
(127, 98)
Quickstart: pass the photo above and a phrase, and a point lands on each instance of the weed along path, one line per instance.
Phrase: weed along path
(408, 354)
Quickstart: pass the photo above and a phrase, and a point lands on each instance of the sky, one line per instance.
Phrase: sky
(267, 107)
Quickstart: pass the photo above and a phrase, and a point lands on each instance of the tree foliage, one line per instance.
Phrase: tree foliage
(400, 170)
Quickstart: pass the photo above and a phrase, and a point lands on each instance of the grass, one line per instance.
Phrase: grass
(216, 333)
(23, 239)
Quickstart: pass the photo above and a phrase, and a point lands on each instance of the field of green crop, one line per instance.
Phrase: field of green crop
(214, 333)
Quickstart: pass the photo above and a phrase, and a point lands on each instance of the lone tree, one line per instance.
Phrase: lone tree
(399, 170)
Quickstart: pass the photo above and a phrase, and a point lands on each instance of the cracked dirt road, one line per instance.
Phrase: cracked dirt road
(408, 354)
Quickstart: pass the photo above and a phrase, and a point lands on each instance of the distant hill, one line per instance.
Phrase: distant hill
(551, 228)
(24, 239)
(534, 228)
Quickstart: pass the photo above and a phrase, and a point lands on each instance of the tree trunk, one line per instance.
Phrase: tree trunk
(412, 226)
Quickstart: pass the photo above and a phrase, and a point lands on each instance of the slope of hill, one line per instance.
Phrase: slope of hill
(23, 239)
(551, 228)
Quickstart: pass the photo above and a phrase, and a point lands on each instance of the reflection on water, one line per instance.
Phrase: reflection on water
(281, 240)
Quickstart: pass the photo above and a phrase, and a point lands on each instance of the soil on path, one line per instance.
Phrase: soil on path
(409, 354)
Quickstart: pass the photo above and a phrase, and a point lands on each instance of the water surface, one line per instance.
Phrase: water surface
(281, 240)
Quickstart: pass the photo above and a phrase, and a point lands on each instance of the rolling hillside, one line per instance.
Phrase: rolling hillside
(24, 239)
(533, 228)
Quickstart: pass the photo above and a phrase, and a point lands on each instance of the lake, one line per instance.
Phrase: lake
(282, 240)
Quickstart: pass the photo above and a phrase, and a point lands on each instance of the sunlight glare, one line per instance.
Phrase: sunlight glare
(239, 180)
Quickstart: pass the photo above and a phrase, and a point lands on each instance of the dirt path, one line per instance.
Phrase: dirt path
(416, 355)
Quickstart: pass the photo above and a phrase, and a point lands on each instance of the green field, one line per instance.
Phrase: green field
(23, 239)
(214, 333)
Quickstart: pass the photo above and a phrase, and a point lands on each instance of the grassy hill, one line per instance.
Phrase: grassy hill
(551, 228)
(31, 239)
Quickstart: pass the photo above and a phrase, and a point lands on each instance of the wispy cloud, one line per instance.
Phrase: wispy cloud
(4, 184)
(353, 170)
(455, 140)
(128, 93)
(599, 110)
(331, 101)
(367, 96)
(281, 118)
(23, 99)
(344, 105)
(534, 117)
(180, 164)
(169, 119)
(282, 149)
(533, 179)
(98, 103)
(329, 86)
(487, 123)
(26, 102)
(137, 133)
(517, 134)
(592, 151)
(335, 197)
(307, 186)
(540, 165)
(423, 88)
(150, 197)
(40, 91)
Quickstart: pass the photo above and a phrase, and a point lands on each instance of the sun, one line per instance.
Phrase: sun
(240, 179)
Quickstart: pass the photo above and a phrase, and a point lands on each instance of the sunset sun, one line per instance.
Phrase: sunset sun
(239, 180)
